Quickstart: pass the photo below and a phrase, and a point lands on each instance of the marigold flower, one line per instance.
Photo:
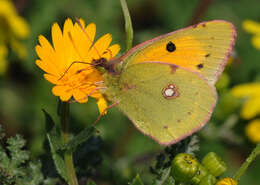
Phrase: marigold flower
(61, 62)
(254, 28)
(227, 181)
(252, 130)
(250, 91)
(12, 28)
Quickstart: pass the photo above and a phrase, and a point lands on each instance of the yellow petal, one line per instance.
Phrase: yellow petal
(246, 90)
(256, 41)
(57, 39)
(252, 130)
(7, 8)
(226, 181)
(47, 62)
(63, 92)
(114, 49)
(68, 26)
(100, 46)
(251, 108)
(82, 22)
(80, 96)
(19, 27)
(111, 52)
(51, 78)
(251, 26)
(102, 105)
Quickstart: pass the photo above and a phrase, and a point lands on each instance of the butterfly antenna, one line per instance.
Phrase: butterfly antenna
(103, 112)
(108, 51)
(75, 62)
(92, 45)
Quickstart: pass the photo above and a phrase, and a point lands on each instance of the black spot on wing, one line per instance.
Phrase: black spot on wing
(207, 55)
(170, 46)
(200, 66)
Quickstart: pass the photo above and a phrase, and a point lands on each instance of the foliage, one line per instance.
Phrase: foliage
(16, 167)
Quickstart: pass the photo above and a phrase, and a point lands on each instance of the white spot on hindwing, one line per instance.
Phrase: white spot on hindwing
(170, 92)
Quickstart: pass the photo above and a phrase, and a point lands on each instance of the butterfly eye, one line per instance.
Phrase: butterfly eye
(170, 47)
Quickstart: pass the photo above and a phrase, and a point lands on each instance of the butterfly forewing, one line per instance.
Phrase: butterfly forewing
(203, 48)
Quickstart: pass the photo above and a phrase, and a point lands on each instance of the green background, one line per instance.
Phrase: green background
(123, 151)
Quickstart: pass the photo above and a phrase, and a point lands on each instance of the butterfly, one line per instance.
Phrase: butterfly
(165, 85)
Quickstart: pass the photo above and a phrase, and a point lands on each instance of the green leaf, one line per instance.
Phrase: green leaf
(55, 140)
(137, 181)
(79, 139)
(90, 182)
(164, 178)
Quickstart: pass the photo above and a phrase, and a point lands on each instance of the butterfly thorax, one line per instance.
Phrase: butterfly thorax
(111, 82)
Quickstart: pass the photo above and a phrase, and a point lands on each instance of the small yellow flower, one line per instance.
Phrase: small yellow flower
(12, 28)
(77, 80)
(227, 181)
(250, 91)
(253, 130)
(254, 28)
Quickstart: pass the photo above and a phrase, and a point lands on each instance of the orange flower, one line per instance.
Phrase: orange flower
(61, 62)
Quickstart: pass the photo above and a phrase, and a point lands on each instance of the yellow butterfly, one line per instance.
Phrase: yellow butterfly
(166, 85)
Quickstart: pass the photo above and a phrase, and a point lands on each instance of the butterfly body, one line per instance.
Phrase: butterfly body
(166, 85)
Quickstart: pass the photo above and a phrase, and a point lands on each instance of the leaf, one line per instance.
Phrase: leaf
(90, 182)
(79, 139)
(164, 178)
(55, 140)
(137, 181)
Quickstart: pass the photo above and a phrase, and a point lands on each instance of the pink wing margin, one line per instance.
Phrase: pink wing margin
(223, 62)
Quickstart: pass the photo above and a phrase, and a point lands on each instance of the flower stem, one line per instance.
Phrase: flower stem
(64, 119)
(248, 161)
(128, 25)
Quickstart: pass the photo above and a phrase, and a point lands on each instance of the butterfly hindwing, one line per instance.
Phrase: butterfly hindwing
(203, 48)
(164, 101)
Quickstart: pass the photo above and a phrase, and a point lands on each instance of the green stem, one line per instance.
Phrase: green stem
(128, 25)
(248, 161)
(64, 119)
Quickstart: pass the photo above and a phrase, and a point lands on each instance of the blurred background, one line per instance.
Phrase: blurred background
(119, 151)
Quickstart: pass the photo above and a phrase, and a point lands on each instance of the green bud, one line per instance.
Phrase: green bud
(208, 180)
(184, 167)
(202, 172)
(214, 164)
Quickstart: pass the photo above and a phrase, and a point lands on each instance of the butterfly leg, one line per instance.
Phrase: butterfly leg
(102, 113)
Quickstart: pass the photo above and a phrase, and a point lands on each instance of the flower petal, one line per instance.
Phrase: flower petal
(100, 46)
(80, 96)
(251, 108)
(251, 26)
(102, 105)
(256, 41)
(63, 92)
(51, 78)
(252, 130)
(245, 90)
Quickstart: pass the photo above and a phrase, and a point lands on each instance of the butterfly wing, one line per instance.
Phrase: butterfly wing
(164, 101)
(203, 48)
